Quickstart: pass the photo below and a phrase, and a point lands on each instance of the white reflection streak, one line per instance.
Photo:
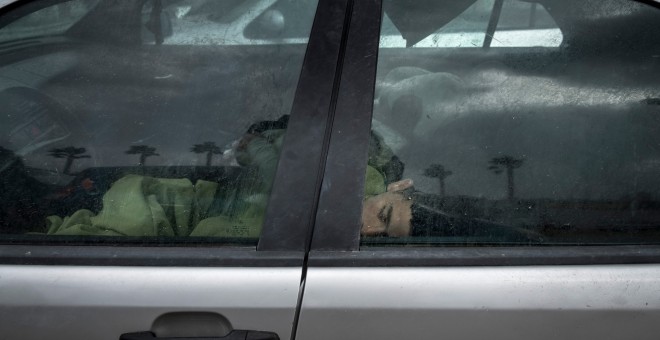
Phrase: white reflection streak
(522, 95)
(526, 91)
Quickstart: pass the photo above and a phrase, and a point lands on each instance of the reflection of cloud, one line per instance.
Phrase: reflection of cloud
(489, 89)
(527, 38)
(393, 139)
(517, 94)
(573, 151)
(582, 140)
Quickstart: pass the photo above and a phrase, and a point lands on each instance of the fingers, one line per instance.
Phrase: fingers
(400, 185)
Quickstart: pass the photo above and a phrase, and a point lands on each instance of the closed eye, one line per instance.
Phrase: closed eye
(385, 214)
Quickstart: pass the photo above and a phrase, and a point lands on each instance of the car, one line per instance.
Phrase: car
(329, 169)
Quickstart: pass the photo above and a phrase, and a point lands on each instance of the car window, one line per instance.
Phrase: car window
(529, 145)
(50, 20)
(107, 131)
(514, 24)
(255, 22)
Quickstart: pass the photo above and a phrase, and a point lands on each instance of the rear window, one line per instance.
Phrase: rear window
(133, 119)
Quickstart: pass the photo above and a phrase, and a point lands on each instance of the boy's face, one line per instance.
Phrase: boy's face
(388, 213)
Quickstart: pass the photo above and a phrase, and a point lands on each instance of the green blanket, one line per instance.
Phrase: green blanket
(146, 206)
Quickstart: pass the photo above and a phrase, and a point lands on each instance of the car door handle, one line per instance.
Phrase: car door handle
(233, 335)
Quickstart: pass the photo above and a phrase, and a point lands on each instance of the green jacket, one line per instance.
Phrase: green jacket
(142, 206)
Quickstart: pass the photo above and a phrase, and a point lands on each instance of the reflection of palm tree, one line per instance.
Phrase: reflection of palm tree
(144, 151)
(498, 164)
(71, 153)
(438, 171)
(209, 147)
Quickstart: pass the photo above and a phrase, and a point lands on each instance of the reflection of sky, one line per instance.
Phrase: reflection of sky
(579, 139)
(118, 98)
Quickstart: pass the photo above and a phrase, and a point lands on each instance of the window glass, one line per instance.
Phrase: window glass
(108, 130)
(522, 24)
(518, 24)
(518, 146)
(47, 21)
(524, 15)
(228, 22)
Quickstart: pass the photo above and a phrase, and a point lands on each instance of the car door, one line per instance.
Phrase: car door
(142, 196)
(528, 129)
